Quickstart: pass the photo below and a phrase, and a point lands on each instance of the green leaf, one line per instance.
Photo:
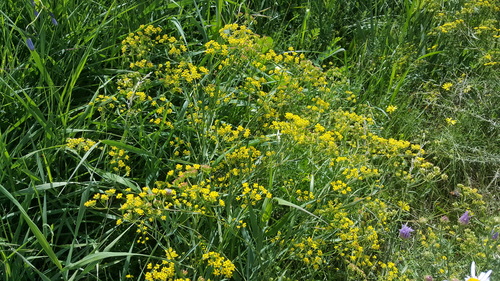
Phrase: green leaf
(267, 209)
(265, 43)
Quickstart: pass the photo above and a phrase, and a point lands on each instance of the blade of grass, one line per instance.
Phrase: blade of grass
(127, 147)
(93, 259)
(33, 110)
(96, 257)
(34, 229)
(290, 204)
(26, 261)
(79, 219)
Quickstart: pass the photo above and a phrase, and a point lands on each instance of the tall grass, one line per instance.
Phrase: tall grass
(157, 140)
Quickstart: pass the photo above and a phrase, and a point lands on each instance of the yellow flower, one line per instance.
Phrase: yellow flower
(391, 108)
(220, 265)
(447, 86)
(90, 203)
(451, 121)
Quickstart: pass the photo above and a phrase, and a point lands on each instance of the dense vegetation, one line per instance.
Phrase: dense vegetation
(249, 140)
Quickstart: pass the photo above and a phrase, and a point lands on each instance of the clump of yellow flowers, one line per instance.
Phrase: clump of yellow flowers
(80, 143)
(220, 265)
(263, 158)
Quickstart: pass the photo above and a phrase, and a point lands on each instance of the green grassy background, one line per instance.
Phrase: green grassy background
(398, 54)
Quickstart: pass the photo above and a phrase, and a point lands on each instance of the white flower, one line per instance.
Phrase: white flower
(483, 276)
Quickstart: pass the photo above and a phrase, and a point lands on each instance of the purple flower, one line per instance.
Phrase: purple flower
(405, 231)
(494, 235)
(34, 5)
(428, 278)
(465, 218)
(30, 44)
(445, 219)
(53, 19)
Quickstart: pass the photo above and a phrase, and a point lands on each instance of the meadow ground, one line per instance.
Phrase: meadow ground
(249, 140)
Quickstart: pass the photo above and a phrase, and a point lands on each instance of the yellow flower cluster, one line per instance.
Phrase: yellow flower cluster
(119, 160)
(391, 271)
(473, 6)
(351, 96)
(132, 102)
(105, 101)
(226, 133)
(341, 187)
(220, 265)
(148, 204)
(151, 204)
(466, 18)
(280, 111)
(470, 198)
(320, 105)
(164, 271)
(253, 194)
(304, 195)
(290, 73)
(308, 251)
(352, 130)
(174, 77)
(212, 47)
(449, 26)
(487, 29)
(79, 143)
(359, 244)
(141, 43)
(404, 206)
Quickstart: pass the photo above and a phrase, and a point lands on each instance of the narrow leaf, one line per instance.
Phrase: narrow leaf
(127, 147)
(283, 202)
(95, 257)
